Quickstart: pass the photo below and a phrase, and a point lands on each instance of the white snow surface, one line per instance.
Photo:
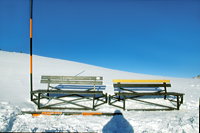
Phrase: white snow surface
(15, 90)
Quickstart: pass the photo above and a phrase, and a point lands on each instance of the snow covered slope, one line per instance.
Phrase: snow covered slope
(15, 73)
(14, 96)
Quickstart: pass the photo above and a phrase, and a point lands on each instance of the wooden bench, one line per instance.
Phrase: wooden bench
(138, 89)
(67, 92)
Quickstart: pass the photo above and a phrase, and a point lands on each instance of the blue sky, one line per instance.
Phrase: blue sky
(158, 37)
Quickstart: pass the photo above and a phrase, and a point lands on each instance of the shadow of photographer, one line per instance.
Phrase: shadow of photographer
(118, 124)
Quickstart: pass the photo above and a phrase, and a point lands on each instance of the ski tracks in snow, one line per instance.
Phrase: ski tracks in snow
(8, 115)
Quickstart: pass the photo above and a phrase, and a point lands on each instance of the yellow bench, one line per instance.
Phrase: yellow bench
(134, 89)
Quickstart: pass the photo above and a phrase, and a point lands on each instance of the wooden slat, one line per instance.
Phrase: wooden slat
(66, 92)
(72, 82)
(84, 87)
(142, 85)
(175, 93)
(73, 77)
(139, 81)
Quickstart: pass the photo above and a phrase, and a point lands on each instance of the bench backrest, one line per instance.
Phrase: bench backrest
(81, 80)
(123, 83)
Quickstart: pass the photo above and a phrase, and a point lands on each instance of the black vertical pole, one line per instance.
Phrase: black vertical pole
(31, 61)
(165, 90)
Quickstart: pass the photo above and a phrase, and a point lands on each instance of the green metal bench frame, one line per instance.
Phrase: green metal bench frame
(93, 95)
(124, 94)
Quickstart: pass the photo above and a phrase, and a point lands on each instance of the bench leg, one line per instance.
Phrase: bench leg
(165, 92)
(48, 90)
(119, 98)
(93, 106)
(31, 96)
(39, 100)
(178, 103)
(124, 103)
(109, 99)
(181, 99)
(106, 98)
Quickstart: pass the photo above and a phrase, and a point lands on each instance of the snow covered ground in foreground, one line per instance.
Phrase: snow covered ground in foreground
(14, 97)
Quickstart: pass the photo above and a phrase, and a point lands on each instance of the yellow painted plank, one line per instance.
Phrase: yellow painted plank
(139, 81)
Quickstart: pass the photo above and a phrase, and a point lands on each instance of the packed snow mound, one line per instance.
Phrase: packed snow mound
(15, 96)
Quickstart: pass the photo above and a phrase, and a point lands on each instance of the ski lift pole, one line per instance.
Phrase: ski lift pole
(31, 60)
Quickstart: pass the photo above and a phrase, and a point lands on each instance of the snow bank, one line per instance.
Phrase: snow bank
(136, 121)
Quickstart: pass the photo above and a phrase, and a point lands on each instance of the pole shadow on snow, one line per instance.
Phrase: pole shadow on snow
(118, 124)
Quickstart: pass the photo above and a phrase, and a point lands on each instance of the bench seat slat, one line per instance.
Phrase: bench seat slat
(97, 87)
(138, 89)
(72, 77)
(66, 92)
(142, 85)
(72, 82)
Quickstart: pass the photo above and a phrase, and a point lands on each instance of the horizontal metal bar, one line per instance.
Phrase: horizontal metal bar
(69, 108)
(171, 109)
(147, 94)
